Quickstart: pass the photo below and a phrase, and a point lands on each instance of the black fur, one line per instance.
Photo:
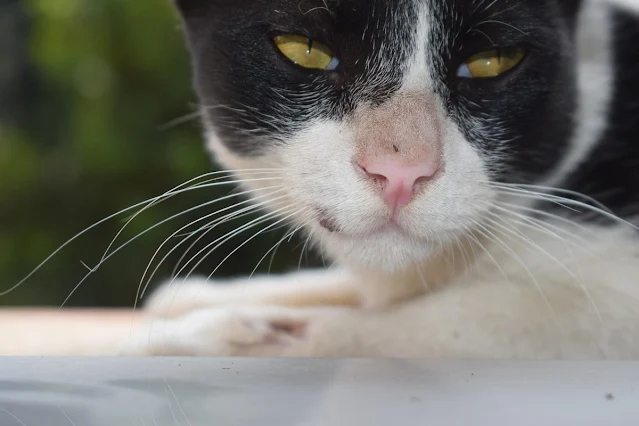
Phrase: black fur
(611, 173)
(540, 90)
(255, 98)
(237, 66)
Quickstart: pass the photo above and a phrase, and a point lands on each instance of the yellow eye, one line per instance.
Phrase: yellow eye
(305, 52)
(491, 63)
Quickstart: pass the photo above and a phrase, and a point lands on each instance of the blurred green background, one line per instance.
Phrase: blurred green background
(87, 88)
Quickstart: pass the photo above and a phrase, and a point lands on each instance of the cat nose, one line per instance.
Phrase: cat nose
(399, 182)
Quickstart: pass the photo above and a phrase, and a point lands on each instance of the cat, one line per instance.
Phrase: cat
(469, 165)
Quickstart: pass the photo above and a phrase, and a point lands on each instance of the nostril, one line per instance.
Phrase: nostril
(398, 182)
(422, 179)
(375, 176)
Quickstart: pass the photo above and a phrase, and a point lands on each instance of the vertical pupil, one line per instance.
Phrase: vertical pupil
(310, 46)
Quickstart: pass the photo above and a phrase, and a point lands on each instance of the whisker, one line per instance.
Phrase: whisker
(227, 237)
(221, 240)
(168, 398)
(494, 21)
(512, 230)
(473, 265)
(13, 416)
(482, 4)
(254, 236)
(500, 12)
(304, 247)
(545, 227)
(177, 401)
(162, 222)
(475, 30)
(212, 183)
(554, 259)
(486, 251)
(289, 236)
(230, 234)
(240, 213)
(557, 190)
(232, 215)
(519, 260)
(423, 280)
(538, 196)
(206, 229)
(193, 185)
(126, 243)
(180, 120)
(210, 226)
(449, 248)
(510, 208)
(64, 413)
(256, 222)
(100, 222)
(272, 259)
(466, 257)
(564, 201)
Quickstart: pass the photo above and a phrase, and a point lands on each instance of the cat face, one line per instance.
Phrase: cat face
(389, 121)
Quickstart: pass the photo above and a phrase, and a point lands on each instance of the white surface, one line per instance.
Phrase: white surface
(216, 392)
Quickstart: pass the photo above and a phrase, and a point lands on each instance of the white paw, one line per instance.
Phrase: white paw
(226, 332)
(174, 299)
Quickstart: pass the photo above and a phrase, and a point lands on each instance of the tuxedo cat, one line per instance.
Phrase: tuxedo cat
(471, 166)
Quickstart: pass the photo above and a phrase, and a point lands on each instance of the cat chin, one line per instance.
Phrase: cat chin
(384, 252)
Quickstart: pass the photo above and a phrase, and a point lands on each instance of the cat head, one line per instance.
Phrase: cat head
(389, 124)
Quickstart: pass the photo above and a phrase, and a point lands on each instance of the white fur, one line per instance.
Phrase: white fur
(593, 316)
(418, 78)
(431, 289)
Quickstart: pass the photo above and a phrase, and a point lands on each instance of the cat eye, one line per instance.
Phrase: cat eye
(491, 63)
(306, 52)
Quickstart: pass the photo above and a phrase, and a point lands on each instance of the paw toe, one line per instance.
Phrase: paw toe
(219, 332)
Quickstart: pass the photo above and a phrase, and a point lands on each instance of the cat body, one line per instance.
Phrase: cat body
(469, 214)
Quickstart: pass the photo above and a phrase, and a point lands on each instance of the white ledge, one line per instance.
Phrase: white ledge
(218, 392)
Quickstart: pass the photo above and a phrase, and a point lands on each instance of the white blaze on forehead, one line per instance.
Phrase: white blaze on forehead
(418, 77)
(320, 178)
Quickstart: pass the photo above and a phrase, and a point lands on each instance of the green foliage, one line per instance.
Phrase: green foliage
(107, 75)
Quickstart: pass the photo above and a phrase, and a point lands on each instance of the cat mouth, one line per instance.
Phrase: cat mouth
(389, 227)
(328, 223)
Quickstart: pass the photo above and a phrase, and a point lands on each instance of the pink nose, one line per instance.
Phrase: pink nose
(399, 181)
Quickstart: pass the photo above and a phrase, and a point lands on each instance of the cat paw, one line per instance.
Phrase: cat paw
(228, 332)
(177, 298)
